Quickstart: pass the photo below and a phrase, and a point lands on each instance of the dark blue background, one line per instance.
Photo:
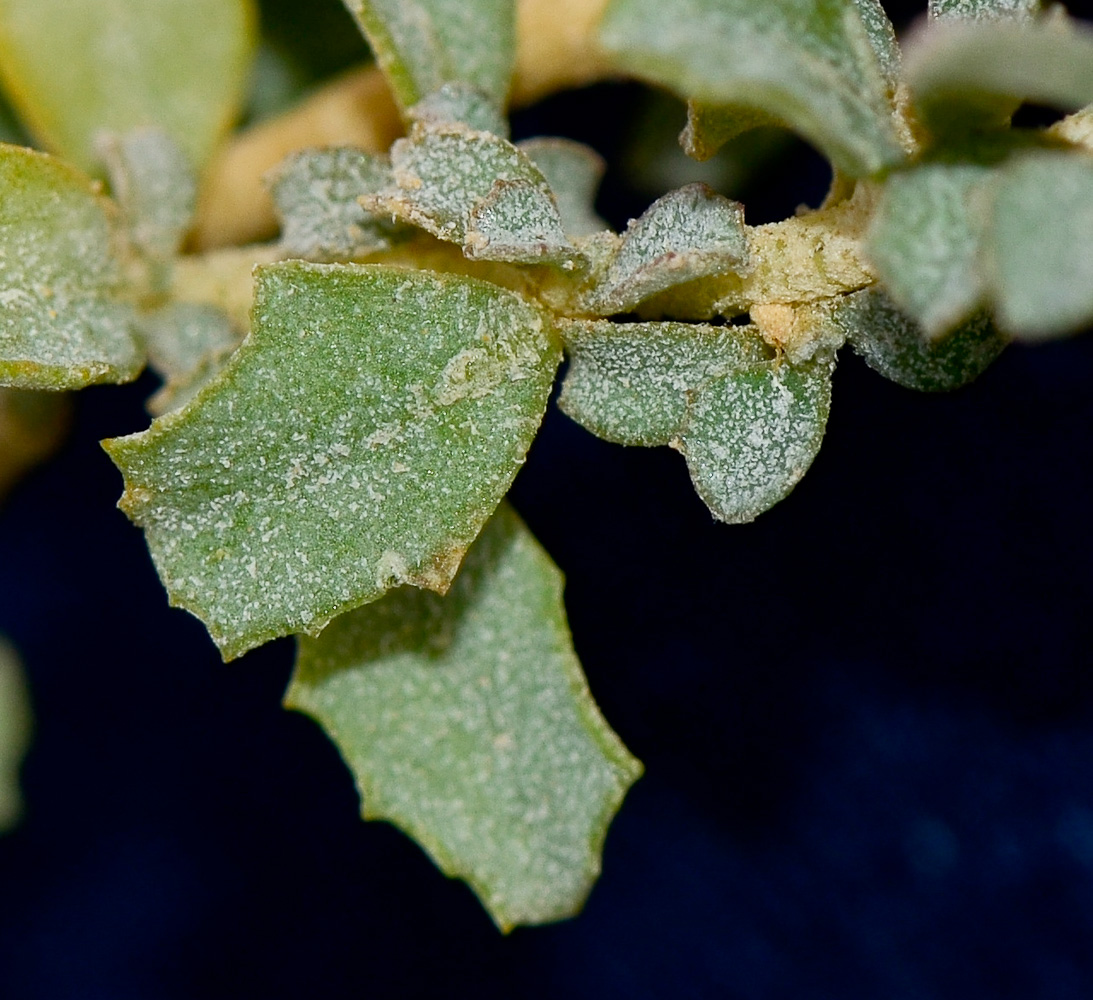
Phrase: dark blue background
(866, 719)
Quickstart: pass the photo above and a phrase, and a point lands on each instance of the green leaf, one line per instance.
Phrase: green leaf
(477, 189)
(631, 382)
(974, 75)
(60, 327)
(358, 439)
(574, 172)
(810, 63)
(750, 436)
(316, 195)
(423, 44)
(467, 722)
(710, 126)
(460, 104)
(894, 345)
(1039, 245)
(985, 10)
(689, 233)
(73, 70)
(925, 242)
(15, 729)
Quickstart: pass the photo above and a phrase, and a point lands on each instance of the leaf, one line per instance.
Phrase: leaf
(423, 44)
(985, 10)
(316, 194)
(73, 70)
(60, 326)
(375, 417)
(32, 425)
(1039, 245)
(689, 233)
(895, 346)
(810, 63)
(710, 126)
(573, 172)
(15, 729)
(460, 104)
(750, 436)
(467, 722)
(965, 75)
(477, 189)
(925, 242)
(631, 382)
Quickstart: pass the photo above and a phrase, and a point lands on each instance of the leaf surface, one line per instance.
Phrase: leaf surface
(60, 325)
(72, 70)
(467, 722)
(376, 417)
(813, 64)
(985, 10)
(574, 172)
(15, 726)
(423, 44)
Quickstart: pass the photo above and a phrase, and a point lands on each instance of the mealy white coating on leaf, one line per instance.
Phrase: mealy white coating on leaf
(1039, 245)
(574, 172)
(750, 436)
(153, 182)
(460, 103)
(985, 10)
(15, 726)
(60, 327)
(925, 242)
(316, 194)
(882, 40)
(467, 722)
(689, 233)
(810, 63)
(375, 417)
(517, 222)
(422, 44)
(631, 382)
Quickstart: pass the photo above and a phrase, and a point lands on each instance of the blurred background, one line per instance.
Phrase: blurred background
(866, 719)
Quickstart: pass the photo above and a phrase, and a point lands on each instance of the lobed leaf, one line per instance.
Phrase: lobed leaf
(814, 64)
(899, 349)
(925, 242)
(467, 722)
(573, 171)
(15, 728)
(423, 44)
(689, 233)
(72, 70)
(1039, 245)
(60, 324)
(381, 415)
(316, 194)
(631, 382)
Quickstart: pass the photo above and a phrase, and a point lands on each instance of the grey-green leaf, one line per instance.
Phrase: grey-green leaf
(423, 44)
(689, 233)
(460, 103)
(574, 172)
(316, 194)
(467, 722)
(631, 382)
(925, 241)
(1039, 245)
(358, 439)
(966, 75)
(985, 10)
(519, 223)
(15, 727)
(899, 349)
(61, 326)
(750, 436)
(811, 63)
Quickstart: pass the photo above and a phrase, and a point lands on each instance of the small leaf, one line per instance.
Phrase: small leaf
(316, 194)
(467, 722)
(895, 346)
(810, 63)
(1039, 245)
(72, 70)
(631, 382)
(15, 728)
(750, 436)
(689, 233)
(460, 104)
(965, 75)
(574, 172)
(60, 327)
(450, 181)
(925, 242)
(423, 44)
(985, 10)
(710, 126)
(32, 425)
(375, 417)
